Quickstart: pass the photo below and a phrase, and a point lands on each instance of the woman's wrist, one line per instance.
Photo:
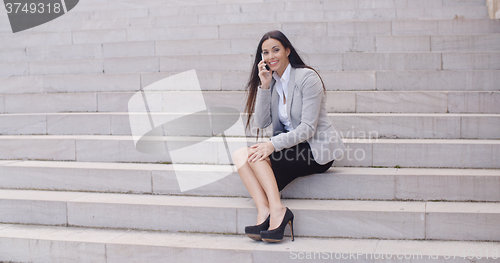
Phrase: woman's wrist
(263, 87)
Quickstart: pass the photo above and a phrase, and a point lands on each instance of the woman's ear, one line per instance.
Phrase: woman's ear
(287, 51)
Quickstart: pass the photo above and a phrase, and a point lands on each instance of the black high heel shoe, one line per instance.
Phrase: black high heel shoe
(253, 232)
(276, 235)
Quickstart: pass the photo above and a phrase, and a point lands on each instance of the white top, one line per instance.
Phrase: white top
(282, 89)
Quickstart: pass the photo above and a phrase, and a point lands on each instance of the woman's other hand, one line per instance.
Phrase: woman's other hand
(264, 75)
(260, 151)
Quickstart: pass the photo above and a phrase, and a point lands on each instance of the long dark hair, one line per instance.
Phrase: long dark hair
(254, 82)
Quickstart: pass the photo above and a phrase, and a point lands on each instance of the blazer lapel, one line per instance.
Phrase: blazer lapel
(291, 89)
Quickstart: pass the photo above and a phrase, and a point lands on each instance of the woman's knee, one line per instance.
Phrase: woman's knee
(240, 157)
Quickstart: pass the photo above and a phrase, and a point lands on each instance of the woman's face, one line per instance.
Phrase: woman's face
(275, 55)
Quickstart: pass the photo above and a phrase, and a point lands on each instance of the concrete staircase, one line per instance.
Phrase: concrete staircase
(413, 87)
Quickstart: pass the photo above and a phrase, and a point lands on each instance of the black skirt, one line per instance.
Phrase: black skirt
(294, 162)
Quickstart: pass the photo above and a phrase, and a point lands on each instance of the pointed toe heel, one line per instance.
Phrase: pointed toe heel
(276, 235)
(253, 232)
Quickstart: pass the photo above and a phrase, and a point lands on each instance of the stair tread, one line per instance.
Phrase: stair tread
(240, 243)
(299, 205)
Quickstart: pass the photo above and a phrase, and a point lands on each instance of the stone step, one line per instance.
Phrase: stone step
(328, 44)
(337, 101)
(23, 243)
(349, 125)
(384, 80)
(156, 8)
(305, 12)
(240, 62)
(419, 153)
(340, 183)
(120, 30)
(339, 218)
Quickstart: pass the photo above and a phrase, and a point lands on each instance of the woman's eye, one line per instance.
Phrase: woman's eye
(276, 50)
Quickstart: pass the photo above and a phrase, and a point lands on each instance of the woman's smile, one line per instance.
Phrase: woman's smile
(275, 55)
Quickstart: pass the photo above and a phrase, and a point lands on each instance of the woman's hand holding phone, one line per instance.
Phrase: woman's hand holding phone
(264, 74)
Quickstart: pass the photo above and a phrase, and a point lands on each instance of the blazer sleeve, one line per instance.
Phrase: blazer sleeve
(263, 108)
(312, 97)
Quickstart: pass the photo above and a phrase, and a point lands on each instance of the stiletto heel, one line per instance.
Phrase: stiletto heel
(276, 235)
(253, 232)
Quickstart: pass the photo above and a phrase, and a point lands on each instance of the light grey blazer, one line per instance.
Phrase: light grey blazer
(306, 108)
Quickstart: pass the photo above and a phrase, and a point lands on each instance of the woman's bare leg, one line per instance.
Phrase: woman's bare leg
(264, 174)
(253, 186)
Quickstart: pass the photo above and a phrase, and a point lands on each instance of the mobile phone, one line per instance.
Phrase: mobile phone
(262, 56)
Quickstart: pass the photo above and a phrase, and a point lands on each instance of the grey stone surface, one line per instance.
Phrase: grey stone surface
(35, 39)
(357, 153)
(232, 80)
(360, 14)
(74, 124)
(43, 103)
(23, 124)
(190, 47)
(486, 127)
(131, 64)
(392, 61)
(304, 29)
(209, 80)
(468, 26)
(10, 69)
(25, 84)
(246, 30)
(173, 213)
(77, 51)
(344, 183)
(324, 61)
(36, 148)
(117, 149)
(395, 126)
(99, 36)
(34, 207)
(436, 153)
(244, 45)
(299, 16)
(335, 44)
(447, 184)
(13, 54)
(263, 16)
(349, 80)
(70, 176)
(403, 43)
(128, 49)
(22, 243)
(466, 43)
(71, 66)
(172, 32)
(457, 221)
(206, 62)
(449, 12)
(409, 80)
(370, 219)
(340, 4)
(118, 101)
(474, 102)
(483, 80)
(471, 60)
(408, 102)
(92, 82)
(359, 28)
(340, 101)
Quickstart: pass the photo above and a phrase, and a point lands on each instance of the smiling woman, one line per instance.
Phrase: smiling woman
(288, 94)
